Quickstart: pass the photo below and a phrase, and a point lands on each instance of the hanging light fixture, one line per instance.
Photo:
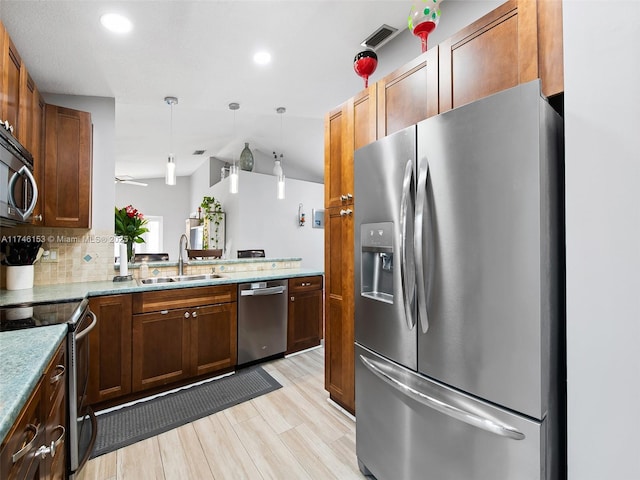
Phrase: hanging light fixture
(277, 168)
(233, 169)
(170, 173)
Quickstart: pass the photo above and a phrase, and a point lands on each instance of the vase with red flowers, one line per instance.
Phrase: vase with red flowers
(130, 226)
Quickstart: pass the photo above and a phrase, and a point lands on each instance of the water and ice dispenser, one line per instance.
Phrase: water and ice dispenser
(376, 245)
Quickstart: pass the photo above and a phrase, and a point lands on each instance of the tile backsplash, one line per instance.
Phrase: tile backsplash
(80, 255)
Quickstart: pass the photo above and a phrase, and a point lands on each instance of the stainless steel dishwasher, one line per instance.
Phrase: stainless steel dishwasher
(262, 320)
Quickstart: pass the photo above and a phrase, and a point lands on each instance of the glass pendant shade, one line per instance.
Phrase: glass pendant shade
(233, 178)
(170, 174)
(280, 193)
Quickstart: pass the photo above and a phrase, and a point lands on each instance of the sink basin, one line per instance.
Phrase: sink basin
(180, 278)
(147, 281)
(203, 276)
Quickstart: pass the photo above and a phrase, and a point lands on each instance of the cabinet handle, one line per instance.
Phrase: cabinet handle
(38, 217)
(344, 212)
(56, 378)
(346, 197)
(186, 315)
(43, 451)
(24, 450)
(194, 314)
(293, 299)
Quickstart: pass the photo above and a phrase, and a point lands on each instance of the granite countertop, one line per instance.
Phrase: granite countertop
(80, 290)
(24, 356)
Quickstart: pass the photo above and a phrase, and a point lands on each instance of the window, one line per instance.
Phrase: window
(152, 239)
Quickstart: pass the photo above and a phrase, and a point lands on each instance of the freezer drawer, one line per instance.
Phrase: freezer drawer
(411, 428)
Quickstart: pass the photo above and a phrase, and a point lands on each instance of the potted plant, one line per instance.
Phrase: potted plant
(212, 212)
(130, 225)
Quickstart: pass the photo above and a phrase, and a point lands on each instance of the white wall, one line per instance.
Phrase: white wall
(602, 101)
(172, 203)
(103, 117)
(257, 219)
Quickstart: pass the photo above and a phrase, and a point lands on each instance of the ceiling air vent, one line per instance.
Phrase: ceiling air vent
(381, 36)
(198, 152)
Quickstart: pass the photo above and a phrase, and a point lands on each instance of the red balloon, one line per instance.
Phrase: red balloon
(365, 64)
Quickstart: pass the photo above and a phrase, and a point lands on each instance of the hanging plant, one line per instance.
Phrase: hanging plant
(212, 211)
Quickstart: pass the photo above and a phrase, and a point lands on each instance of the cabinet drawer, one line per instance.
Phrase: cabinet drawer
(145, 302)
(305, 284)
(55, 377)
(26, 435)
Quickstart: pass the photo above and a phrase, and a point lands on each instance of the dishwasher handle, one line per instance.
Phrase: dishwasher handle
(263, 291)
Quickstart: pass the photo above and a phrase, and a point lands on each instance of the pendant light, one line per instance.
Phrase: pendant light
(170, 173)
(233, 169)
(277, 168)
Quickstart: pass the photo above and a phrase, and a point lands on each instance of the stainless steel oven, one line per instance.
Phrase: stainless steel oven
(18, 188)
(81, 421)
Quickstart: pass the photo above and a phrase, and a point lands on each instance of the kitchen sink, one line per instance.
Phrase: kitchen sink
(203, 276)
(180, 278)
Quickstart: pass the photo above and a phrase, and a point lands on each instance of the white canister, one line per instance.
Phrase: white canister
(19, 277)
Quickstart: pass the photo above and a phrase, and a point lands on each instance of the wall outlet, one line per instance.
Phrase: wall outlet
(50, 256)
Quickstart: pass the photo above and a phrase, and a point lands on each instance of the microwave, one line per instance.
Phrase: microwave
(18, 188)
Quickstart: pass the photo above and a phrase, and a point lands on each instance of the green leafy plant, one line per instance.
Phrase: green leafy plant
(212, 211)
(130, 225)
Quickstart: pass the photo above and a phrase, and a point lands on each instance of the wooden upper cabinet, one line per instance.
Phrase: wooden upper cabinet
(517, 42)
(348, 127)
(11, 65)
(409, 94)
(336, 158)
(68, 159)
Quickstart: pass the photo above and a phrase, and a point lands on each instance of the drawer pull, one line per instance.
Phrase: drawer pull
(187, 314)
(43, 451)
(194, 314)
(24, 450)
(56, 378)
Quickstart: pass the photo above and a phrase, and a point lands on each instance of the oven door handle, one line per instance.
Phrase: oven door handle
(94, 320)
(92, 441)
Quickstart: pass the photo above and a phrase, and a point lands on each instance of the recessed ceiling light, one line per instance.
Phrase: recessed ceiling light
(116, 23)
(262, 58)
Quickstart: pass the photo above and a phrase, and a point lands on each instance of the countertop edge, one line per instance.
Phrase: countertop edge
(20, 372)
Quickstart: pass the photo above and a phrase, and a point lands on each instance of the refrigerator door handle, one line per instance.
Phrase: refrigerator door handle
(385, 373)
(421, 199)
(404, 265)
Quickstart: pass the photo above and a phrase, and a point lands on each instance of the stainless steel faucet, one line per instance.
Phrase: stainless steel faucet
(180, 250)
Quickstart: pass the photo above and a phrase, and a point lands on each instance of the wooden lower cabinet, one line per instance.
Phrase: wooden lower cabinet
(177, 344)
(339, 320)
(304, 313)
(110, 347)
(41, 422)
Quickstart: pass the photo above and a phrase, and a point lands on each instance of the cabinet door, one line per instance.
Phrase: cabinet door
(519, 41)
(68, 150)
(37, 150)
(362, 111)
(304, 320)
(214, 345)
(338, 180)
(160, 349)
(110, 346)
(11, 64)
(339, 326)
(408, 95)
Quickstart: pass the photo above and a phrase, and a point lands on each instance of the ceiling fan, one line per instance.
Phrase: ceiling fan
(130, 181)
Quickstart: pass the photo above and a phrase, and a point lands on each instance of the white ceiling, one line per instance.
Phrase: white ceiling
(201, 52)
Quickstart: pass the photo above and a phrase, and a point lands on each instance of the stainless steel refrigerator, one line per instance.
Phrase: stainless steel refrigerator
(459, 265)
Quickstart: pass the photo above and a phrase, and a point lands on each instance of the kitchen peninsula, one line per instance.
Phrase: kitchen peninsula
(125, 307)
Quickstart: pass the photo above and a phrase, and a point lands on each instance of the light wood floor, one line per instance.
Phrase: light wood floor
(291, 433)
